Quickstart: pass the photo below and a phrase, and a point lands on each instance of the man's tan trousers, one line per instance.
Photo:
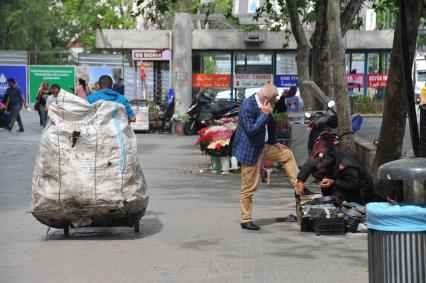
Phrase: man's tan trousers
(250, 176)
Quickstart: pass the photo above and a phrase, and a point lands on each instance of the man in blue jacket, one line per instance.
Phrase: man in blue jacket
(253, 142)
(106, 93)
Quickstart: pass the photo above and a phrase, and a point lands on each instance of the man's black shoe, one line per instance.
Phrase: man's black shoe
(20, 130)
(250, 226)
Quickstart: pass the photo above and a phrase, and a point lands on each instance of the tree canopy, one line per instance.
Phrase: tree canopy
(49, 25)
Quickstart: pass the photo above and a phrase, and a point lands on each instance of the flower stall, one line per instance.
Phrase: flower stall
(214, 141)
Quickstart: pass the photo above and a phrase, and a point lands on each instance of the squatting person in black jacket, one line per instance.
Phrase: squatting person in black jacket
(339, 175)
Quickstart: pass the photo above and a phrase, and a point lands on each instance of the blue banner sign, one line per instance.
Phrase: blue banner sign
(19, 73)
(286, 80)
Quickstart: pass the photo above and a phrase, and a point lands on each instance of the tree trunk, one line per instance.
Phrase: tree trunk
(395, 108)
(302, 54)
(339, 74)
(321, 66)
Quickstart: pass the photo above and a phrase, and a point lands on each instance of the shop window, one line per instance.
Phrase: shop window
(286, 64)
(358, 63)
(253, 63)
(386, 61)
(348, 63)
(252, 71)
(377, 75)
(212, 74)
(373, 63)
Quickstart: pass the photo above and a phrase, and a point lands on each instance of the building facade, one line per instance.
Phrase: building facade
(232, 64)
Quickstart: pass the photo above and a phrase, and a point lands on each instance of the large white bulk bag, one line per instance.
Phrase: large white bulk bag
(87, 169)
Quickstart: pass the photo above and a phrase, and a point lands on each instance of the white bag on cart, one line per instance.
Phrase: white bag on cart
(87, 169)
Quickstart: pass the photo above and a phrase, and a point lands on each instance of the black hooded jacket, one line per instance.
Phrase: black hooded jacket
(351, 181)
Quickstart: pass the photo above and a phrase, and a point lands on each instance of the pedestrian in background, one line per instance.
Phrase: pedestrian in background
(119, 86)
(293, 102)
(41, 99)
(280, 106)
(82, 90)
(14, 103)
(108, 94)
(255, 140)
(54, 90)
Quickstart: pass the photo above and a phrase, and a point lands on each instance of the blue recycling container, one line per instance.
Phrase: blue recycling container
(396, 242)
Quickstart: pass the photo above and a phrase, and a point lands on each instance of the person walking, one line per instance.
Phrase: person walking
(106, 93)
(82, 90)
(15, 101)
(41, 99)
(54, 90)
(255, 140)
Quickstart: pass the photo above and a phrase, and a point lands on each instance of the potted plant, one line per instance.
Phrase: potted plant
(205, 139)
(219, 152)
(281, 119)
(214, 141)
(152, 111)
(179, 124)
(283, 125)
(220, 149)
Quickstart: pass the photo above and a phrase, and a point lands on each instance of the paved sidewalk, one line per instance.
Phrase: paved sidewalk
(190, 233)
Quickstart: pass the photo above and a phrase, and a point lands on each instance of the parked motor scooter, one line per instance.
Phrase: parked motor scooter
(323, 135)
(320, 122)
(203, 109)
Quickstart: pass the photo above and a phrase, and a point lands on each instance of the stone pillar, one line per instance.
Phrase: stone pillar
(182, 62)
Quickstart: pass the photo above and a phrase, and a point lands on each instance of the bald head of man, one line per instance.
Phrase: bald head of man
(268, 93)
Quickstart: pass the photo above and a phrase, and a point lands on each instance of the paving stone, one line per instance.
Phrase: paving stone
(190, 233)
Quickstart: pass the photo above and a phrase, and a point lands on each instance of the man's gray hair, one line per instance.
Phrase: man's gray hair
(269, 90)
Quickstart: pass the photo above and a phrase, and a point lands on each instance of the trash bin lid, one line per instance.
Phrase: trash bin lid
(396, 217)
(404, 169)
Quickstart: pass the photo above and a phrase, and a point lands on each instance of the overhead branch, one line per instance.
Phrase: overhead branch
(296, 24)
(349, 14)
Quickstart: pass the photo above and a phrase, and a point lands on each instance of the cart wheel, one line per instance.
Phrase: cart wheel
(136, 227)
(66, 232)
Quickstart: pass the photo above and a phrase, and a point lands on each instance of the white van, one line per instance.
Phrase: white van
(419, 75)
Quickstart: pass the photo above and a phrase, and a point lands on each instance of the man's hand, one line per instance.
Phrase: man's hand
(300, 186)
(132, 120)
(280, 147)
(327, 183)
(25, 106)
(266, 108)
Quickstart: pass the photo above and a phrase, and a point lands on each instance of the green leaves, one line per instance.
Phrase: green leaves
(46, 25)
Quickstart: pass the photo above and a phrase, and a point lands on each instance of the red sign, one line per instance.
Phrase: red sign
(377, 80)
(211, 81)
(355, 81)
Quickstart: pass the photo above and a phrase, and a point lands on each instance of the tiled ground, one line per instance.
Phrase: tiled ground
(191, 231)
